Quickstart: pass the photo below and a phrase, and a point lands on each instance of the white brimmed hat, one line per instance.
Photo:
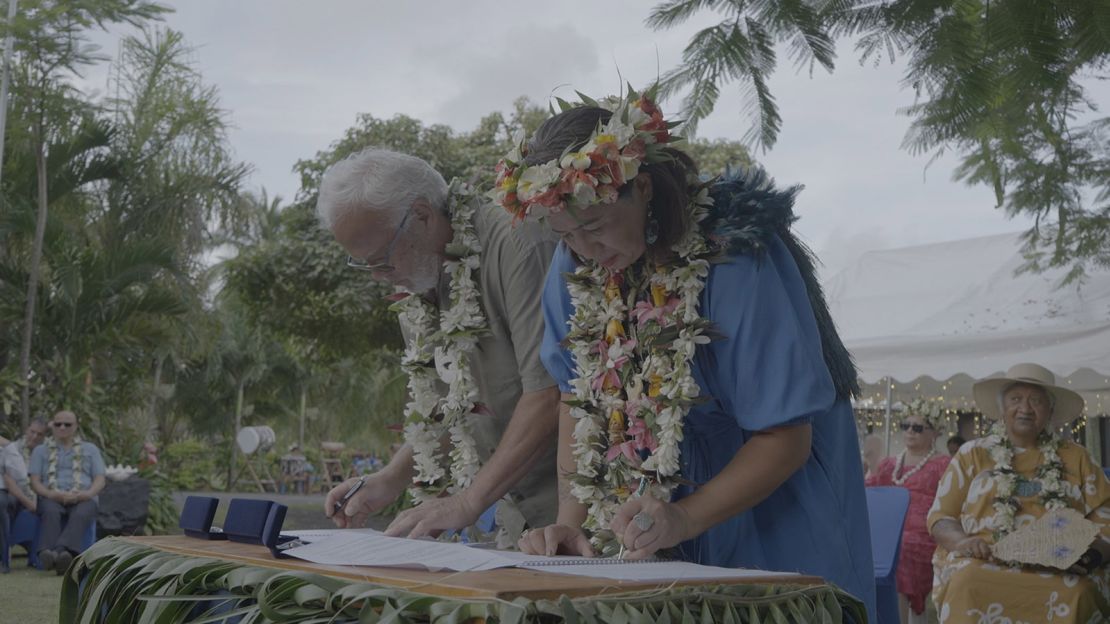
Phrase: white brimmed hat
(1069, 405)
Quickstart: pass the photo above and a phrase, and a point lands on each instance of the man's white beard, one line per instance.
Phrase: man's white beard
(425, 275)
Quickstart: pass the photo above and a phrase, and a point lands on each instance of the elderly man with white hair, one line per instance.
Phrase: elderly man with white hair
(483, 411)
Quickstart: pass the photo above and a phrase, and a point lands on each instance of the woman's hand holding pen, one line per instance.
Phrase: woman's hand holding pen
(645, 525)
(377, 491)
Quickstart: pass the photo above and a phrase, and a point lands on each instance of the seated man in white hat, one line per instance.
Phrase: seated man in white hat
(1003, 483)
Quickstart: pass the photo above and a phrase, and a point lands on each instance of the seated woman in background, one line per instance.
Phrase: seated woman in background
(1005, 481)
(918, 469)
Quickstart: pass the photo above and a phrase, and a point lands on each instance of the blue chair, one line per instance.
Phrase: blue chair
(25, 532)
(1106, 471)
(886, 509)
(486, 523)
(488, 520)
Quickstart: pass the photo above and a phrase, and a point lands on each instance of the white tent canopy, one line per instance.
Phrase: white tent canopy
(933, 318)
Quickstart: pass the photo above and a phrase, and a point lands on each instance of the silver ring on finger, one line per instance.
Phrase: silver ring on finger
(644, 521)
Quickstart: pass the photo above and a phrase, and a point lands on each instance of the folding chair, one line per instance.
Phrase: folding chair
(886, 508)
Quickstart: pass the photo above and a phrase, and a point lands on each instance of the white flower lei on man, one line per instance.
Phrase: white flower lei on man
(52, 464)
(1049, 475)
(446, 338)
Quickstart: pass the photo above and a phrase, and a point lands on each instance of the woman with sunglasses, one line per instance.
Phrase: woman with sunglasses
(917, 468)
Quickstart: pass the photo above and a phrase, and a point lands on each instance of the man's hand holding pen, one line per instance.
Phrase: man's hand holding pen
(350, 503)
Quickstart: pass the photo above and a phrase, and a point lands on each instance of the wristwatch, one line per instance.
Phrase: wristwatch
(1090, 560)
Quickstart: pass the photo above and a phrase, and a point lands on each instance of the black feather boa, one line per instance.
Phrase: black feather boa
(747, 212)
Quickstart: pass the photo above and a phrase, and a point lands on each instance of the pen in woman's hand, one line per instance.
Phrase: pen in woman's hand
(346, 497)
(639, 492)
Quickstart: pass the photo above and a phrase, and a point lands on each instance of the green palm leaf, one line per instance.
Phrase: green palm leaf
(133, 583)
(741, 49)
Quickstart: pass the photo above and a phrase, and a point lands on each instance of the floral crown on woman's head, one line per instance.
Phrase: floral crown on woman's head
(593, 173)
(933, 411)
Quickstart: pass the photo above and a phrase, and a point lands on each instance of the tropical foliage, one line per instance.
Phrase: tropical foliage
(170, 303)
(105, 210)
(999, 83)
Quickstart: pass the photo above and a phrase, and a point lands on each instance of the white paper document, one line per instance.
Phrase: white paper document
(371, 548)
(367, 547)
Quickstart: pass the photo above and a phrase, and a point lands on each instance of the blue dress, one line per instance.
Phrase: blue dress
(766, 372)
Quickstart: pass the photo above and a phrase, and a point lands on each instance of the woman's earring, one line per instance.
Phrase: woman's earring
(651, 230)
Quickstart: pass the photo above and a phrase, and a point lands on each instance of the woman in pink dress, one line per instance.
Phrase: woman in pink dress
(918, 469)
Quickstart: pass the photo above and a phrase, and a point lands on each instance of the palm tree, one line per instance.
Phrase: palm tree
(741, 48)
(77, 159)
(50, 46)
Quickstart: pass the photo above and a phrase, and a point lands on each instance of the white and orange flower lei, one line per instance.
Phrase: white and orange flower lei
(438, 348)
(633, 346)
(633, 340)
(1049, 475)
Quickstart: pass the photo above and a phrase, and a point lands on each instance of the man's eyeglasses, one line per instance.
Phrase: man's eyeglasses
(384, 266)
(914, 428)
(62, 424)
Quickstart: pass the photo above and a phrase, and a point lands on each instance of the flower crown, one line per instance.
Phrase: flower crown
(634, 135)
(932, 411)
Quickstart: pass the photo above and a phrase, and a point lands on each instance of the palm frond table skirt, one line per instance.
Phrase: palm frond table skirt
(173, 579)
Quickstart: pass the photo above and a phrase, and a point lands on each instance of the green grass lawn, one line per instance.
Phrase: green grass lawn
(29, 596)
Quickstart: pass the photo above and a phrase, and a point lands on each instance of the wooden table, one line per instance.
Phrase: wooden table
(118, 571)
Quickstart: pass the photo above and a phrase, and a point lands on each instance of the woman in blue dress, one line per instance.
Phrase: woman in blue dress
(706, 392)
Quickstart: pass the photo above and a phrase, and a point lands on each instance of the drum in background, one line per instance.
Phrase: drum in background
(258, 439)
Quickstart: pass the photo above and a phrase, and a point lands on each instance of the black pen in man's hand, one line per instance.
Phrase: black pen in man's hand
(346, 497)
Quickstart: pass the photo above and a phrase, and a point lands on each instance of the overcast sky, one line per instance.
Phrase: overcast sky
(294, 75)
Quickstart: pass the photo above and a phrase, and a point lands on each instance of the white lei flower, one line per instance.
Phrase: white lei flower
(1049, 475)
(52, 464)
(648, 384)
(912, 471)
(444, 341)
